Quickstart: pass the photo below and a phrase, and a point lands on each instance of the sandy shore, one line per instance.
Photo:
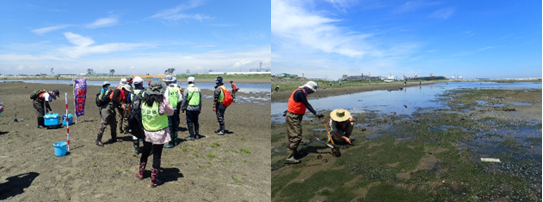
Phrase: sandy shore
(234, 167)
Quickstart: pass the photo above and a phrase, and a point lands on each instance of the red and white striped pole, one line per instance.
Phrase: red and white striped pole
(66, 121)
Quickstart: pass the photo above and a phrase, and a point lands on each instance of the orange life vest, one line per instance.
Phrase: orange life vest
(296, 107)
(234, 87)
(120, 98)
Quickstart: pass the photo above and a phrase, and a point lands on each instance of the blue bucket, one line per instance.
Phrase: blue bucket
(60, 148)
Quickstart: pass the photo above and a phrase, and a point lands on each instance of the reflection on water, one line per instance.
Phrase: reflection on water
(405, 102)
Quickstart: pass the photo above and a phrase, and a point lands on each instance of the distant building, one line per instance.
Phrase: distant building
(260, 70)
(287, 75)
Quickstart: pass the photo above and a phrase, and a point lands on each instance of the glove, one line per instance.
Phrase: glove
(319, 115)
(285, 113)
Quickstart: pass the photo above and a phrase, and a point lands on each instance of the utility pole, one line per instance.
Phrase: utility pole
(260, 66)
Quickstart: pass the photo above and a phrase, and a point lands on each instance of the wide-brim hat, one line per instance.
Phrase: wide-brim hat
(105, 83)
(340, 115)
(168, 78)
(127, 87)
(155, 88)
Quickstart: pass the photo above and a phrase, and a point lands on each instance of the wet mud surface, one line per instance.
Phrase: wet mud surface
(233, 167)
(431, 155)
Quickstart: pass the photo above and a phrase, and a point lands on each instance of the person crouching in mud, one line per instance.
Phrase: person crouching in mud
(155, 110)
(341, 126)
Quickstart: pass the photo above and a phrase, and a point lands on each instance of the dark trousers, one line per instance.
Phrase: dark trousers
(157, 153)
(192, 118)
(219, 110)
(173, 121)
(39, 106)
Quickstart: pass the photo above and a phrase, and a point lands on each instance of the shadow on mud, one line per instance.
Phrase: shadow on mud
(16, 184)
(170, 174)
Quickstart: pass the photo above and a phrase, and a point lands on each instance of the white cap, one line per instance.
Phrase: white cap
(123, 81)
(311, 85)
(138, 80)
(190, 79)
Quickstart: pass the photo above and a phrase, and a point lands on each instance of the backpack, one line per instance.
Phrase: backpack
(227, 97)
(134, 119)
(101, 98)
(36, 93)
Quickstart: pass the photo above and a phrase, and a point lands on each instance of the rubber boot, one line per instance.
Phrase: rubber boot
(221, 130)
(290, 157)
(41, 122)
(197, 132)
(175, 143)
(191, 132)
(154, 178)
(170, 144)
(139, 175)
(99, 140)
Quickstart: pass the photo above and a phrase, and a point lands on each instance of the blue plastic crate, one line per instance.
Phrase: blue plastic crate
(70, 119)
(51, 119)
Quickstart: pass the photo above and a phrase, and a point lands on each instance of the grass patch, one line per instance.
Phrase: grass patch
(245, 150)
(215, 144)
(237, 179)
(211, 155)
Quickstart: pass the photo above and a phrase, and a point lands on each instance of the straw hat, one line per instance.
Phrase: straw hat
(340, 115)
(155, 88)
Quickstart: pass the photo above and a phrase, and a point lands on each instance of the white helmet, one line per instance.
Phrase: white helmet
(138, 80)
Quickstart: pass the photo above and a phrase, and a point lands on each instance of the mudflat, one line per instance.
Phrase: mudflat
(430, 155)
(233, 167)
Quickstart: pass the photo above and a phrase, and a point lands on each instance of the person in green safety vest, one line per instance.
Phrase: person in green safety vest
(135, 127)
(174, 97)
(218, 107)
(192, 104)
(155, 110)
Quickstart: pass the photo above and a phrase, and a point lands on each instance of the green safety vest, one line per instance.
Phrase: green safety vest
(173, 96)
(193, 96)
(152, 120)
(221, 96)
(136, 91)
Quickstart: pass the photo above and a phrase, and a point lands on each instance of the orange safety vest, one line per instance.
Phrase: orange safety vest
(41, 95)
(296, 107)
(234, 87)
(121, 97)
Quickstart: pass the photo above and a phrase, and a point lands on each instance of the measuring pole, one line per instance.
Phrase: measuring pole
(67, 122)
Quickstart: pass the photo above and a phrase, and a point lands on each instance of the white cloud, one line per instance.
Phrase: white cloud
(77, 39)
(103, 22)
(292, 25)
(199, 17)
(44, 30)
(177, 12)
(444, 13)
(75, 52)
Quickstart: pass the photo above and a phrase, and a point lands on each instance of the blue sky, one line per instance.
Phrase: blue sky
(134, 37)
(472, 39)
